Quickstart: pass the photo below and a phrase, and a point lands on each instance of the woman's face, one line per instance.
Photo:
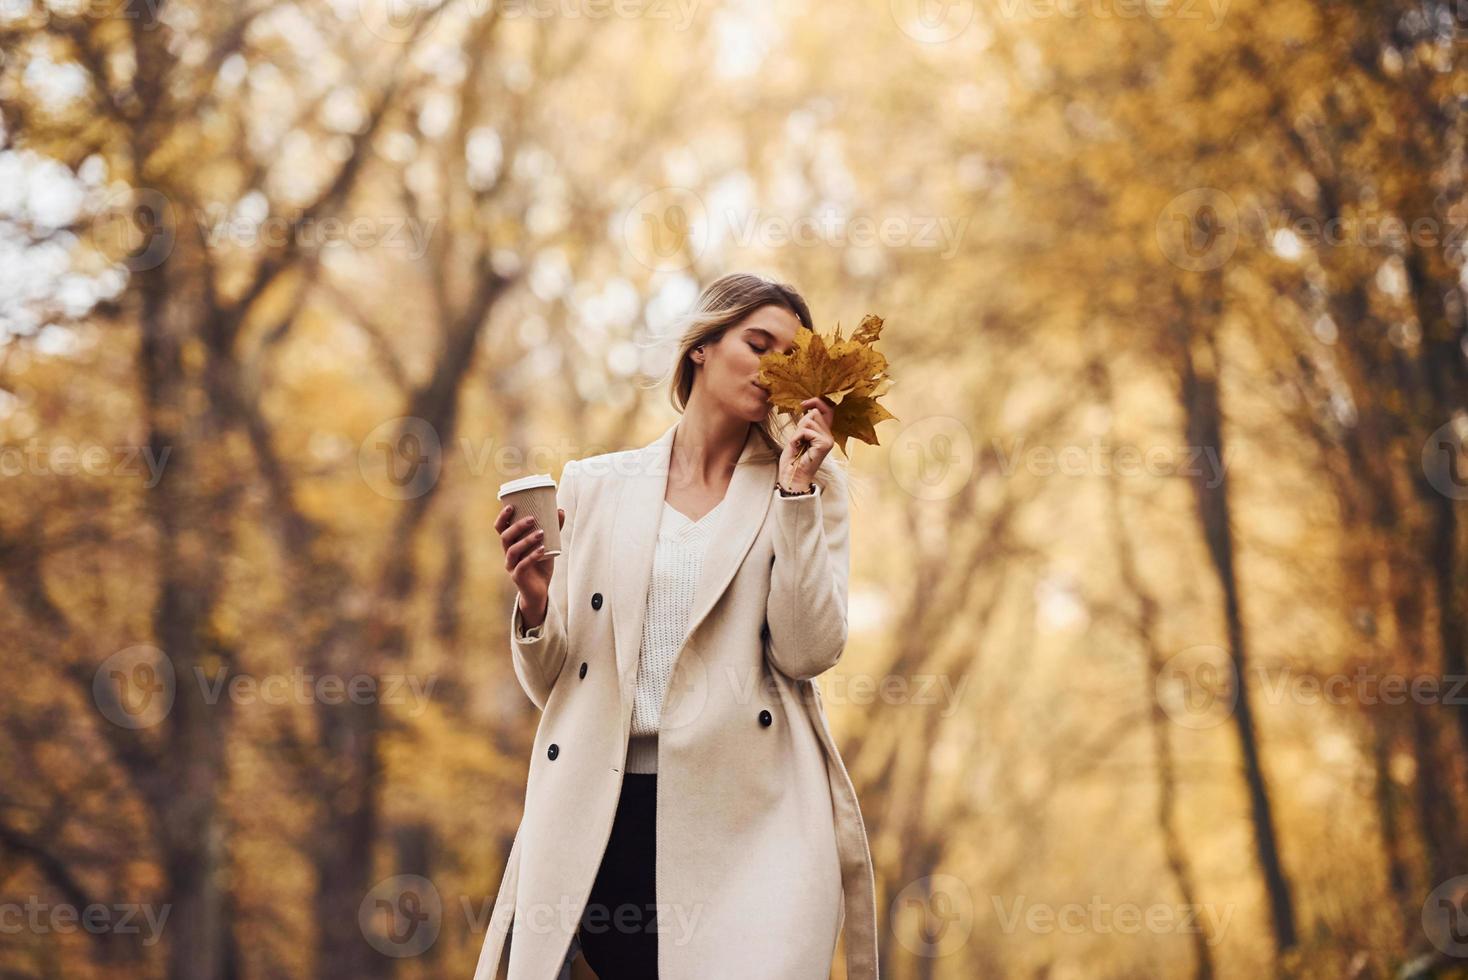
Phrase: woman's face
(731, 366)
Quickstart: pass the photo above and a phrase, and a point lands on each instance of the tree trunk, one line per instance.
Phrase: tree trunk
(1200, 400)
(1173, 847)
(183, 791)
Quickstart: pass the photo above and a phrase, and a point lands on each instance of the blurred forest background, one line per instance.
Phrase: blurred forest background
(1158, 606)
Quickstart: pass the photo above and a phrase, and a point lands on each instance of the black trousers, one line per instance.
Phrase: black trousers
(618, 927)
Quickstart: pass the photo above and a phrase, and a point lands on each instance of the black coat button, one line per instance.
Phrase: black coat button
(583, 669)
(765, 718)
(553, 751)
(596, 600)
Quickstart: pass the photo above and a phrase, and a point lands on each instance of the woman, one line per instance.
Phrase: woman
(687, 813)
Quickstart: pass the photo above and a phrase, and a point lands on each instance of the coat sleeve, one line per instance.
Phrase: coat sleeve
(806, 609)
(539, 653)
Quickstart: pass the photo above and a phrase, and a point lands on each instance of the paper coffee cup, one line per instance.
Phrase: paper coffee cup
(535, 495)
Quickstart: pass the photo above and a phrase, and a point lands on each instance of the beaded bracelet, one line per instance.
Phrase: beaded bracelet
(795, 493)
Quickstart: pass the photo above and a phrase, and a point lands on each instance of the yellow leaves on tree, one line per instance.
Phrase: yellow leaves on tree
(851, 374)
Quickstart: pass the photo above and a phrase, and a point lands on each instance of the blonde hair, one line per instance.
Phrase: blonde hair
(725, 303)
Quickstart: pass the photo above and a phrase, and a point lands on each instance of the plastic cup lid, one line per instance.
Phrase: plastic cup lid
(526, 483)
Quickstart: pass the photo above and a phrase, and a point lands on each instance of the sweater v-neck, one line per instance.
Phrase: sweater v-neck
(684, 519)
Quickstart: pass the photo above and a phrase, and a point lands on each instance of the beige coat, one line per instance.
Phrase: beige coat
(761, 849)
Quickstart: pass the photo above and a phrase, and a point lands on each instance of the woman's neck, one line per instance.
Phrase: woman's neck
(706, 449)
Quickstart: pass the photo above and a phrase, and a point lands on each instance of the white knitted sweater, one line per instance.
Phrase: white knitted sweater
(676, 565)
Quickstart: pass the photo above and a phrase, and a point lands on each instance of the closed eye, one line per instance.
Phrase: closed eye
(757, 350)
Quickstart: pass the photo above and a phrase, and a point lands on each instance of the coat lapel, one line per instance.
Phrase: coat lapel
(634, 540)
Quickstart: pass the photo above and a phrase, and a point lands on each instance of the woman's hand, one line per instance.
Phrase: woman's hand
(524, 544)
(812, 434)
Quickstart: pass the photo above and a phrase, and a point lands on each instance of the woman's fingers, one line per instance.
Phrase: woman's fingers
(816, 415)
(525, 541)
(525, 550)
(532, 556)
(812, 432)
(505, 519)
(822, 407)
(511, 532)
(811, 427)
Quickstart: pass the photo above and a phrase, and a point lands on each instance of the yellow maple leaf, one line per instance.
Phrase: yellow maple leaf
(851, 374)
